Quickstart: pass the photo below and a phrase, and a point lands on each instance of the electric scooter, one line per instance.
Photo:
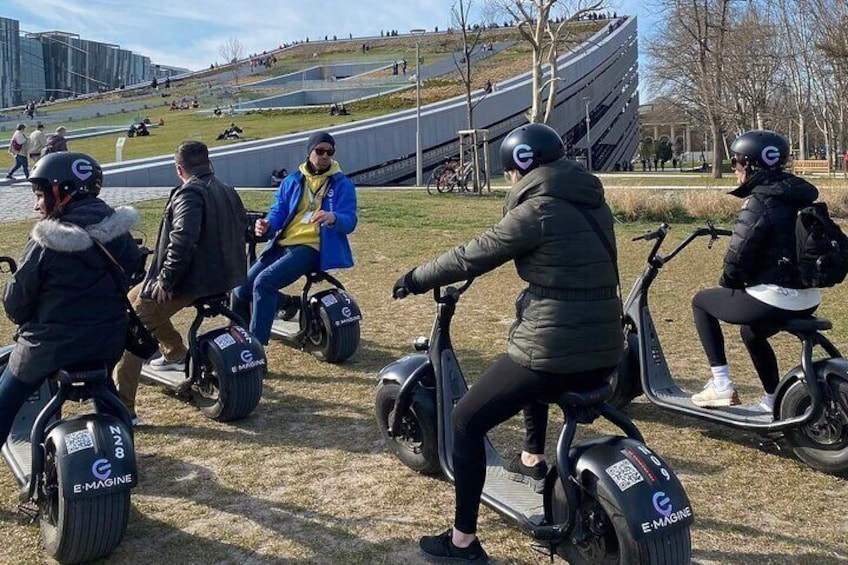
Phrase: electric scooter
(76, 473)
(225, 365)
(327, 324)
(607, 500)
(811, 401)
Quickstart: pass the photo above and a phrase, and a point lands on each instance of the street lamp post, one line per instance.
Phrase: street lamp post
(588, 135)
(419, 172)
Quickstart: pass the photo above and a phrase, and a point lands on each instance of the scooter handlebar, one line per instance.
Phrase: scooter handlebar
(657, 233)
(8, 265)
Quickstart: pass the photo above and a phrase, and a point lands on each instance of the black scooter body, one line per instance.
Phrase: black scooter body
(95, 454)
(327, 324)
(808, 410)
(225, 367)
(645, 489)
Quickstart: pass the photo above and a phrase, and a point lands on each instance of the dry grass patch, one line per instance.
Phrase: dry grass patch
(306, 479)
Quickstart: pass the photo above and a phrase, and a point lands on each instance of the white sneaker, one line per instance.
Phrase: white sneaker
(766, 405)
(162, 364)
(711, 397)
(137, 422)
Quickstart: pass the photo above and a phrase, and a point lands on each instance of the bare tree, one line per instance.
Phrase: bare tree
(689, 61)
(469, 45)
(543, 25)
(233, 51)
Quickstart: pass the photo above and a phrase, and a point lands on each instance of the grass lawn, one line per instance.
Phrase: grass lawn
(307, 479)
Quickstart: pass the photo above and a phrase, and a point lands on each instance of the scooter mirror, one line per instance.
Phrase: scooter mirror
(9, 263)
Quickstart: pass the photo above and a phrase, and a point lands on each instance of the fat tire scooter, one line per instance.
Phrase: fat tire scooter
(75, 473)
(811, 400)
(607, 500)
(327, 324)
(225, 366)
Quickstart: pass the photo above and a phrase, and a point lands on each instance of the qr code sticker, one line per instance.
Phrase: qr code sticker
(77, 441)
(624, 474)
(224, 341)
(329, 300)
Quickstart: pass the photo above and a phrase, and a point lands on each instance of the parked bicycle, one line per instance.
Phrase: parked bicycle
(449, 176)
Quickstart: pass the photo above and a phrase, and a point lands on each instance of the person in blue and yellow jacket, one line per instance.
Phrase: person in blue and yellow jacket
(314, 211)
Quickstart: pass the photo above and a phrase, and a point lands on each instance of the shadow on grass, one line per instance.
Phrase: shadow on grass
(646, 412)
(320, 534)
(830, 554)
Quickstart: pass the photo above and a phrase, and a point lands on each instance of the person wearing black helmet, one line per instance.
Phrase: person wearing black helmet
(64, 300)
(567, 334)
(758, 286)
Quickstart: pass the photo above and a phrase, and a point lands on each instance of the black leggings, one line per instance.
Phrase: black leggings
(504, 389)
(757, 320)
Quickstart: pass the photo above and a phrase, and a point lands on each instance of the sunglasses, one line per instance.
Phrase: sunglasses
(322, 152)
(734, 161)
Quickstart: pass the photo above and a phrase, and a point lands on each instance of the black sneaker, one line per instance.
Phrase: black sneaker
(440, 549)
(519, 472)
(290, 309)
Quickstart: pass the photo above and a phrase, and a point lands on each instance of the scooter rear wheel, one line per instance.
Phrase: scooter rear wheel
(223, 396)
(822, 444)
(80, 529)
(611, 540)
(334, 344)
(417, 443)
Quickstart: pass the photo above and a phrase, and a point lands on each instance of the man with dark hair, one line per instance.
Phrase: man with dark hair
(199, 252)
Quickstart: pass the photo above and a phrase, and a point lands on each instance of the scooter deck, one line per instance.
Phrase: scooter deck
(170, 378)
(18, 451)
(517, 496)
(742, 412)
(283, 328)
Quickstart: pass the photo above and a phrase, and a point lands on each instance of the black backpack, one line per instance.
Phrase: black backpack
(821, 248)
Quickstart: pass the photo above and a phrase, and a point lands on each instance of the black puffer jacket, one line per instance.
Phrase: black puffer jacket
(68, 307)
(569, 318)
(763, 242)
(200, 248)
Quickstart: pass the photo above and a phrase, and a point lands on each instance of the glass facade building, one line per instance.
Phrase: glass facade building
(60, 64)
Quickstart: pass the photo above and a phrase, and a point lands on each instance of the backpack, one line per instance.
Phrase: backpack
(821, 248)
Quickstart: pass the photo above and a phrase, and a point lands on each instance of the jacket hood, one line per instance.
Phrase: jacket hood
(778, 184)
(563, 179)
(78, 226)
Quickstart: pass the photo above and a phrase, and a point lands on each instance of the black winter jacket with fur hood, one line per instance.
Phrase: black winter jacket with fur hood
(68, 307)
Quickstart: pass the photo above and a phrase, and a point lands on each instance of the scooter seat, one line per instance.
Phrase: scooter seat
(577, 399)
(82, 374)
(806, 325)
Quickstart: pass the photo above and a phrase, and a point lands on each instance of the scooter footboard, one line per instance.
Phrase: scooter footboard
(234, 348)
(645, 489)
(94, 455)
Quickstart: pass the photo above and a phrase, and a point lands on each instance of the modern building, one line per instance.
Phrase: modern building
(598, 88)
(59, 64)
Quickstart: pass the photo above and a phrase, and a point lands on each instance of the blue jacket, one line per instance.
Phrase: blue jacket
(339, 199)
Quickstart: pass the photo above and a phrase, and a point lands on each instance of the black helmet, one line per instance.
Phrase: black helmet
(760, 149)
(527, 147)
(64, 176)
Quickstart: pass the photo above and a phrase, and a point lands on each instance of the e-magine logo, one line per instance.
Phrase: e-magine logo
(82, 169)
(522, 155)
(770, 155)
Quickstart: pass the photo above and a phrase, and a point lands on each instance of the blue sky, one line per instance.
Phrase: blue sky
(190, 33)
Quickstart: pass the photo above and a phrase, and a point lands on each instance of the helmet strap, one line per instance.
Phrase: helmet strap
(59, 204)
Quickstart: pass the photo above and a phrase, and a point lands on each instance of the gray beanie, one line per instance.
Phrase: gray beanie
(319, 137)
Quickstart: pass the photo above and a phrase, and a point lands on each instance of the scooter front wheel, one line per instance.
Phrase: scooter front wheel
(416, 443)
(822, 444)
(81, 529)
(610, 539)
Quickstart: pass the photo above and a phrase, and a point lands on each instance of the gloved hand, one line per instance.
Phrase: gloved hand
(405, 286)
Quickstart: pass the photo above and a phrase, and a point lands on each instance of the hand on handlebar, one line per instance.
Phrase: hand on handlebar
(261, 227)
(404, 287)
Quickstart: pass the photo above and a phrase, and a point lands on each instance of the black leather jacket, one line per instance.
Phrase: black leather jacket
(763, 242)
(68, 307)
(200, 249)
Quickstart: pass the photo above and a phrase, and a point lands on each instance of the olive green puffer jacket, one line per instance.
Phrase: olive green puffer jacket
(569, 316)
